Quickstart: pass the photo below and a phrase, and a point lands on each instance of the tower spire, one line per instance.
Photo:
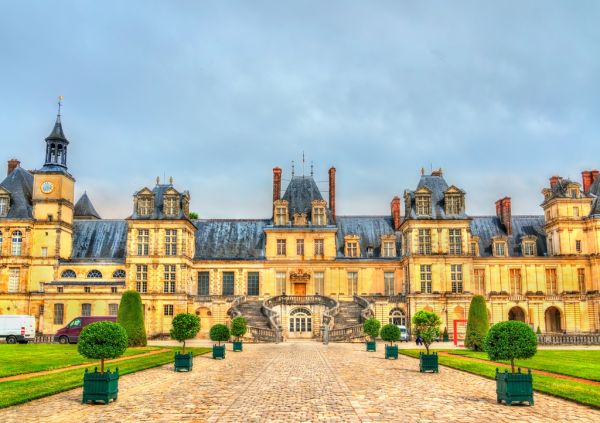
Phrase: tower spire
(56, 142)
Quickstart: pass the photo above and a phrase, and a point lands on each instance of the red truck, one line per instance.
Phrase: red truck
(70, 333)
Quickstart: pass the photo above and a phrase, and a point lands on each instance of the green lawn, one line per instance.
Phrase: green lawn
(574, 391)
(26, 358)
(20, 391)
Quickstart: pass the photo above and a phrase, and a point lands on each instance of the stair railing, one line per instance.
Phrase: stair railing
(367, 311)
(233, 311)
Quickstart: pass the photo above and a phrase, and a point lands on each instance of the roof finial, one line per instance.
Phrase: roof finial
(311, 169)
(293, 169)
(60, 99)
(157, 180)
(422, 171)
(170, 180)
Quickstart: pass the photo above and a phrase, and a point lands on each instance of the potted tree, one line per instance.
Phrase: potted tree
(239, 327)
(101, 341)
(371, 328)
(391, 333)
(219, 333)
(477, 324)
(427, 326)
(512, 340)
(185, 326)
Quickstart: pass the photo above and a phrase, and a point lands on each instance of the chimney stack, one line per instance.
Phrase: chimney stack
(396, 212)
(504, 213)
(332, 192)
(554, 181)
(276, 183)
(595, 174)
(12, 165)
(586, 178)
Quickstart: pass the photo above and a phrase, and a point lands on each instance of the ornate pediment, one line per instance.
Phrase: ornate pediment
(299, 276)
(300, 219)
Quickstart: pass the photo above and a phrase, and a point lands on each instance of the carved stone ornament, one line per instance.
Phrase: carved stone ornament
(299, 276)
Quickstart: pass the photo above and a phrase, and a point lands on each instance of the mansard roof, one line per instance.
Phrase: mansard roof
(370, 229)
(85, 209)
(437, 186)
(159, 191)
(560, 189)
(300, 193)
(488, 227)
(19, 184)
(230, 239)
(99, 239)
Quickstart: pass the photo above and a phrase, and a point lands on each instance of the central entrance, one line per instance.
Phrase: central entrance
(300, 323)
(299, 288)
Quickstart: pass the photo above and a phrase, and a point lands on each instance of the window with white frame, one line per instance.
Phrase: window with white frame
(426, 278)
(171, 242)
(388, 283)
(281, 247)
(423, 204)
(281, 215)
(168, 309)
(280, 279)
(389, 249)
(456, 277)
(453, 204)
(17, 243)
(479, 281)
(143, 242)
(318, 217)
(529, 248)
(113, 309)
(170, 275)
(141, 278)
(4, 206)
(455, 238)
(352, 249)
(300, 247)
(319, 247)
(500, 248)
(14, 279)
(319, 282)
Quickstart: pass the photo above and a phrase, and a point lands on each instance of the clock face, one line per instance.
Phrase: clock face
(47, 187)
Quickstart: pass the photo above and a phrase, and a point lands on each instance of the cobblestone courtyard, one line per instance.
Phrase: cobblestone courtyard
(300, 382)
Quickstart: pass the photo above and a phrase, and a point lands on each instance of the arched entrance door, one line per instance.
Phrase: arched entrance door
(300, 323)
(397, 317)
(553, 321)
(516, 313)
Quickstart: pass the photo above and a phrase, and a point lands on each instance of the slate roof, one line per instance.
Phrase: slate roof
(230, 239)
(85, 209)
(370, 229)
(159, 192)
(99, 239)
(19, 184)
(438, 186)
(486, 227)
(300, 193)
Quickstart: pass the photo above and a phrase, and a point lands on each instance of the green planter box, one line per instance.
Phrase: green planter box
(391, 351)
(514, 387)
(428, 362)
(183, 362)
(100, 386)
(371, 346)
(219, 351)
(238, 346)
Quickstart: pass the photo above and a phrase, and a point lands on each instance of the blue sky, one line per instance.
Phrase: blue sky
(501, 95)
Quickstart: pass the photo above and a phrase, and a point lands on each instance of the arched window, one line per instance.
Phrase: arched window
(94, 274)
(397, 317)
(300, 320)
(17, 243)
(119, 274)
(68, 274)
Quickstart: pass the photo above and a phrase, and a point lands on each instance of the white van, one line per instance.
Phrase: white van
(17, 328)
(403, 333)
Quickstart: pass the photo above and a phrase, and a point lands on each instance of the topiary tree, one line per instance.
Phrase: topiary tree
(239, 327)
(510, 340)
(219, 333)
(427, 325)
(185, 326)
(477, 324)
(538, 331)
(390, 333)
(131, 317)
(445, 335)
(101, 341)
(371, 328)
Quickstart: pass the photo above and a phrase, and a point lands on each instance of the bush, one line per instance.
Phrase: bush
(192, 215)
(427, 326)
(509, 341)
(538, 331)
(371, 327)
(445, 336)
(131, 317)
(219, 333)
(101, 341)
(185, 326)
(239, 327)
(477, 324)
(390, 333)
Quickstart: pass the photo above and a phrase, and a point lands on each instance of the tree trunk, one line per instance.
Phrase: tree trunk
(102, 366)
(427, 348)
(183, 352)
(512, 364)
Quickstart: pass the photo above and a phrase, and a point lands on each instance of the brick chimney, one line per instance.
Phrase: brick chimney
(504, 213)
(12, 165)
(276, 183)
(396, 212)
(438, 172)
(595, 174)
(554, 181)
(586, 178)
(332, 192)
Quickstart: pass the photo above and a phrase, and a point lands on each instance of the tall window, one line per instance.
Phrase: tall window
(456, 277)
(141, 278)
(300, 247)
(280, 282)
(253, 283)
(281, 215)
(144, 206)
(17, 242)
(171, 206)
(319, 283)
(113, 309)
(228, 283)
(319, 247)
(281, 247)
(426, 278)
(352, 248)
(425, 241)
(515, 281)
(171, 242)
(168, 309)
(473, 248)
(389, 249)
(203, 283)
(318, 216)
(86, 309)
(59, 314)
(551, 287)
(170, 278)
(578, 245)
(0, 243)
(423, 203)
(14, 278)
(453, 205)
(581, 280)
(479, 281)
(576, 211)
(388, 283)
(455, 238)
(352, 283)
(143, 241)
(3, 206)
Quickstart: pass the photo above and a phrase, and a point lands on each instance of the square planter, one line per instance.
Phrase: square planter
(238, 346)
(371, 345)
(100, 386)
(514, 387)
(428, 362)
(391, 351)
(219, 351)
(183, 362)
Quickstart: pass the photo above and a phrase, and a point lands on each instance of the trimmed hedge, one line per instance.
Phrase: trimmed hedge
(371, 327)
(390, 333)
(131, 317)
(239, 327)
(510, 340)
(219, 333)
(477, 324)
(185, 326)
(101, 341)
(426, 324)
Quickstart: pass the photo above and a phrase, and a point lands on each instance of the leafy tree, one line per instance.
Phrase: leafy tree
(390, 333)
(427, 325)
(477, 324)
(131, 317)
(219, 333)
(185, 326)
(371, 327)
(510, 340)
(193, 215)
(239, 327)
(101, 341)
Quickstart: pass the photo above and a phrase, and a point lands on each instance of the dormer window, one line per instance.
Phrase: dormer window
(318, 212)
(352, 248)
(171, 205)
(528, 246)
(423, 204)
(145, 205)
(574, 192)
(474, 246)
(499, 246)
(388, 246)
(454, 204)
(281, 212)
(4, 205)
(369, 251)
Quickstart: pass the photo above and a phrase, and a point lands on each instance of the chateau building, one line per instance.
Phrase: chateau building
(304, 272)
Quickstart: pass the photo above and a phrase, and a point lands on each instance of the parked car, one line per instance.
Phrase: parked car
(70, 333)
(403, 333)
(17, 328)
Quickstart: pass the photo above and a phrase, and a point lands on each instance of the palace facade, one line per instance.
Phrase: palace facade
(304, 267)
